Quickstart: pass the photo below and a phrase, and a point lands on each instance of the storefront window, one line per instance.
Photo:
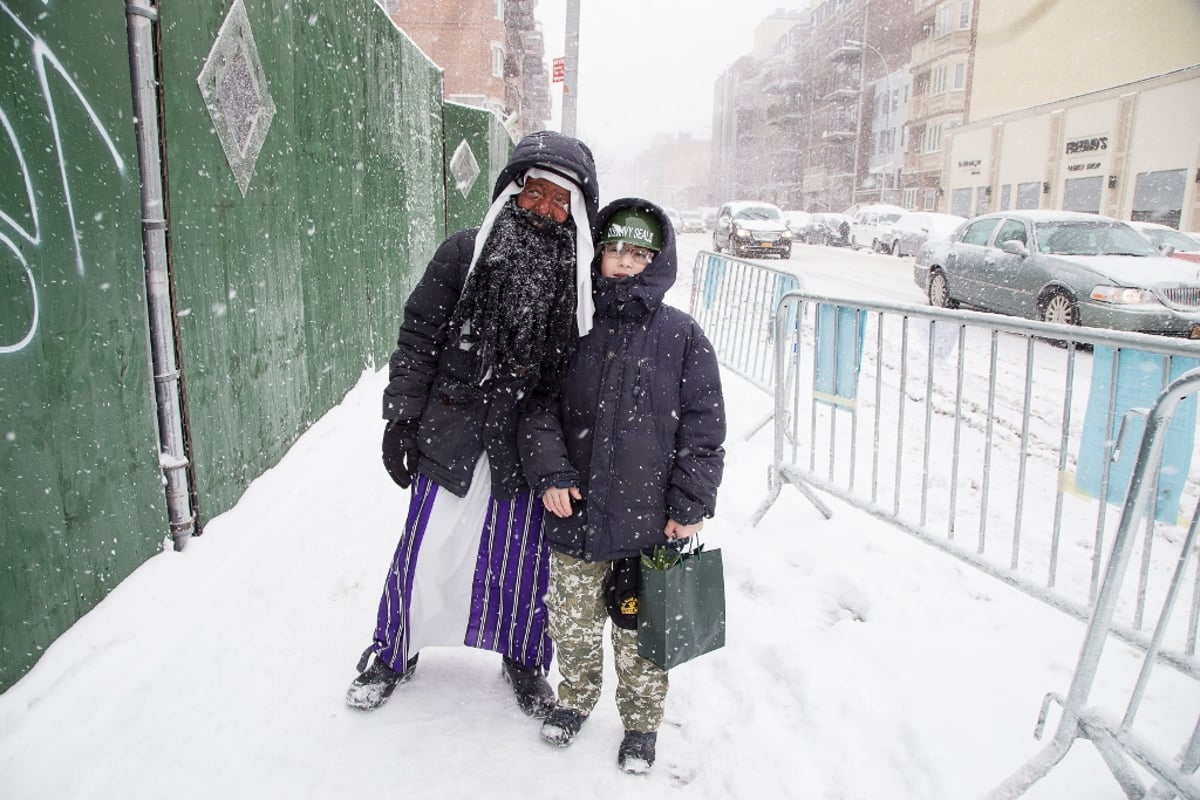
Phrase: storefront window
(1029, 195)
(960, 202)
(1158, 197)
(1083, 194)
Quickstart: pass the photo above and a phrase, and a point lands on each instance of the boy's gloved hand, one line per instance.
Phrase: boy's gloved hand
(400, 450)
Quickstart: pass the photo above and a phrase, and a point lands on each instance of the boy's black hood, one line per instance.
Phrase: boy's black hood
(648, 288)
(553, 149)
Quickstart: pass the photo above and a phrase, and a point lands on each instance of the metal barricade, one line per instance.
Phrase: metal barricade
(733, 300)
(1118, 738)
(990, 437)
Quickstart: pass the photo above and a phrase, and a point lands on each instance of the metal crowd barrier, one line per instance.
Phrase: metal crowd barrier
(1119, 738)
(989, 437)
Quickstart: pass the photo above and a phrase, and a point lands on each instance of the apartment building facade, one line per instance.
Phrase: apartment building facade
(491, 53)
(970, 106)
(1105, 121)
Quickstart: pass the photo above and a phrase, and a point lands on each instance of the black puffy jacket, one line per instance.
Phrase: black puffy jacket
(640, 423)
(437, 384)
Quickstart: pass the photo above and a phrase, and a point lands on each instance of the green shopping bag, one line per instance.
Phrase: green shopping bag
(681, 605)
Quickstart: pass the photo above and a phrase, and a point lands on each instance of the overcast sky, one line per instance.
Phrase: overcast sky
(648, 66)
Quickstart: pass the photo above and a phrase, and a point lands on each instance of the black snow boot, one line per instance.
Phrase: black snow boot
(636, 755)
(561, 725)
(532, 690)
(375, 685)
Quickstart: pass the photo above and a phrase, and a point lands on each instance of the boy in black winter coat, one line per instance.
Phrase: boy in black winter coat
(627, 457)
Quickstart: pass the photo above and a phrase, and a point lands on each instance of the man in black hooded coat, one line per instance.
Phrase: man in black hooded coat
(494, 318)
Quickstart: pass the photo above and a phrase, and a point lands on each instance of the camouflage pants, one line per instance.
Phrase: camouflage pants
(577, 617)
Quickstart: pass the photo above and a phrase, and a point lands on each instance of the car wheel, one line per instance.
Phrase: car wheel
(786, 254)
(1059, 307)
(716, 244)
(939, 290)
(895, 249)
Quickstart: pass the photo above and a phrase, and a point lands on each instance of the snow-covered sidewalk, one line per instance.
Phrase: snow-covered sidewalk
(860, 664)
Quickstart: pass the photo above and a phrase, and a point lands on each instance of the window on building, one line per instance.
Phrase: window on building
(1158, 196)
(960, 75)
(933, 139)
(917, 141)
(937, 80)
(1005, 197)
(930, 199)
(941, 23)
(1029, 195)
(983, 199)
(910, 198)
(964, 14)
(895, 100)
(1083, 194)
(497, 60)
(960, 202)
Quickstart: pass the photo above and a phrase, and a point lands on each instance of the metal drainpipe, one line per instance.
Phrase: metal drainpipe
(140, 18)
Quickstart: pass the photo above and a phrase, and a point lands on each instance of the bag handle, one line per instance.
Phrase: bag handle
(665, 556)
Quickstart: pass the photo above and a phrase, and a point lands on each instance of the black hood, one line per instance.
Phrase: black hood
(646, 289)
(552, 149)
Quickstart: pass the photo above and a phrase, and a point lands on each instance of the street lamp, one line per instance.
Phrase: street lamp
(887, 106)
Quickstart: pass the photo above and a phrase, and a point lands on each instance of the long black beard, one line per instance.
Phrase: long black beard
(520, 300)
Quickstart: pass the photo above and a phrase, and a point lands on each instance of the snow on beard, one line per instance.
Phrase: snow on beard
(520, 297)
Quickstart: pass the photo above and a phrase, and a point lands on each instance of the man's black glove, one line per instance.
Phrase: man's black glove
(400, 450)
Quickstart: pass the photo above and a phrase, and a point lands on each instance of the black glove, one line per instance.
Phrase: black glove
(400, 450)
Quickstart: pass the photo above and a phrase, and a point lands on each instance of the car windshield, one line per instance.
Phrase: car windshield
(758, 212)
(1087, 238)
(889, 217)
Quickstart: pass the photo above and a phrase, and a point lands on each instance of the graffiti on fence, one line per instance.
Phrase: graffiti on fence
(42, 60)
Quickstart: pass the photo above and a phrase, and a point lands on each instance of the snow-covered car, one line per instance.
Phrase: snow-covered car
(871, 226)
(1065, 267)
(676, 220)
(1163, 236)
(827, 229)
(751, 227)
(914, 228)
(796, 220)
(691, 222)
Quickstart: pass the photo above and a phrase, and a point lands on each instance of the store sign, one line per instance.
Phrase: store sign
(972, 166)
(560, 68)
(1076, 146)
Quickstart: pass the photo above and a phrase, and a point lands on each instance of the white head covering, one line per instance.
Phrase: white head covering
(584, 249)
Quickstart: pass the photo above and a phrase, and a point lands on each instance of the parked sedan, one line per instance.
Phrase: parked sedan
(1064, 267)
(1164, 236)
(796, 220)
(745, 228)
(914, 228)
(829, 229)
(693, 222)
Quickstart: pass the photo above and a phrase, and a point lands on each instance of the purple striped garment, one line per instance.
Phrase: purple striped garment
(508, 590)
